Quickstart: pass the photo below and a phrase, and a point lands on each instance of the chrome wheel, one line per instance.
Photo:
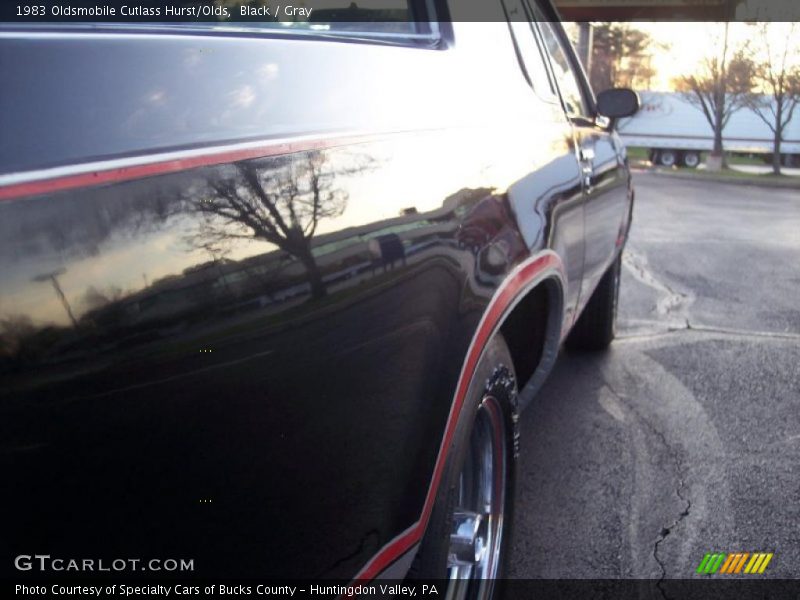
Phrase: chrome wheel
(473, 558)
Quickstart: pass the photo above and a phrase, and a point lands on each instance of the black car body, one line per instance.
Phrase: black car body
(246, 277)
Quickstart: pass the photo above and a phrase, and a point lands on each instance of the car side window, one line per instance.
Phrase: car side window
(400, 21)
(531, 53)
(567, 80)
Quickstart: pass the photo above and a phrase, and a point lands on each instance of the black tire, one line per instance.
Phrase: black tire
(494, 380)
(597, 325)
(691, 159)
(668, 158)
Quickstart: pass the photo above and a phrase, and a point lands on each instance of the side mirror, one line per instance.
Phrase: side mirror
(617, 103)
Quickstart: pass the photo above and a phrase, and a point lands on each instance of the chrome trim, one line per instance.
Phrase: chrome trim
(467, 541)
(169, 156)
(29, 30)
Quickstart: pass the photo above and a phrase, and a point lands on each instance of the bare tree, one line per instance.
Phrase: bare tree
(279, 200)
(780, 83)
(94, 298)
(721, 88)
(14, 330)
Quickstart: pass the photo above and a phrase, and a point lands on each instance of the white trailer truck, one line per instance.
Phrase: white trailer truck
(676, 132)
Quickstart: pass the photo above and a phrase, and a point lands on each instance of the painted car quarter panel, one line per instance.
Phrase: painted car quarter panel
(254, 360)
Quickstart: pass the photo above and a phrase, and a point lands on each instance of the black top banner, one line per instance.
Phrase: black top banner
(317, 13)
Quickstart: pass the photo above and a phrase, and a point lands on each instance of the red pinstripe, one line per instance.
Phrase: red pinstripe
(510, 290)
(213, 157)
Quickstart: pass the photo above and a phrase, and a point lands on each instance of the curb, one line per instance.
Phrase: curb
(770, 183)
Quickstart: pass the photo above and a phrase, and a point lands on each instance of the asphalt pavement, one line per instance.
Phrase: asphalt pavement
(684, 437)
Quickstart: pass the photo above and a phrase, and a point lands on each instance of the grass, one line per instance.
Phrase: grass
(638, 153)
(738, 159)
(639, 158)
(734, 176)
(642, 154)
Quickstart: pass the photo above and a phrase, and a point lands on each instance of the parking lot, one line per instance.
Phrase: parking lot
(684, 438)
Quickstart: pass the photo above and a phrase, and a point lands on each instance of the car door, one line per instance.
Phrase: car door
(553, 193)
(599, 153)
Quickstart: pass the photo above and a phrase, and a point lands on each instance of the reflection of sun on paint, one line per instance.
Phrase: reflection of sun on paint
(243, 97)
(268, 72)
(157, 97)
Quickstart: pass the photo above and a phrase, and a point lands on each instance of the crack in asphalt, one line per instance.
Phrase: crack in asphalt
(788, 335)
(676, 304)
(679, 490)
(665, 532)
(673, 301)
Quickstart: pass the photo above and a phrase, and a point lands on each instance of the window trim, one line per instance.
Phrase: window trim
(427, 32)
(433, 40)
(585, 106)
(587, 94)
(553, 94)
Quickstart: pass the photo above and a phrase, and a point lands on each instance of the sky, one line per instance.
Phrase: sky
(685, 41)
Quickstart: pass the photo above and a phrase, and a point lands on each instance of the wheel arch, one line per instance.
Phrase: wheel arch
(540, 276)
(533, 332)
